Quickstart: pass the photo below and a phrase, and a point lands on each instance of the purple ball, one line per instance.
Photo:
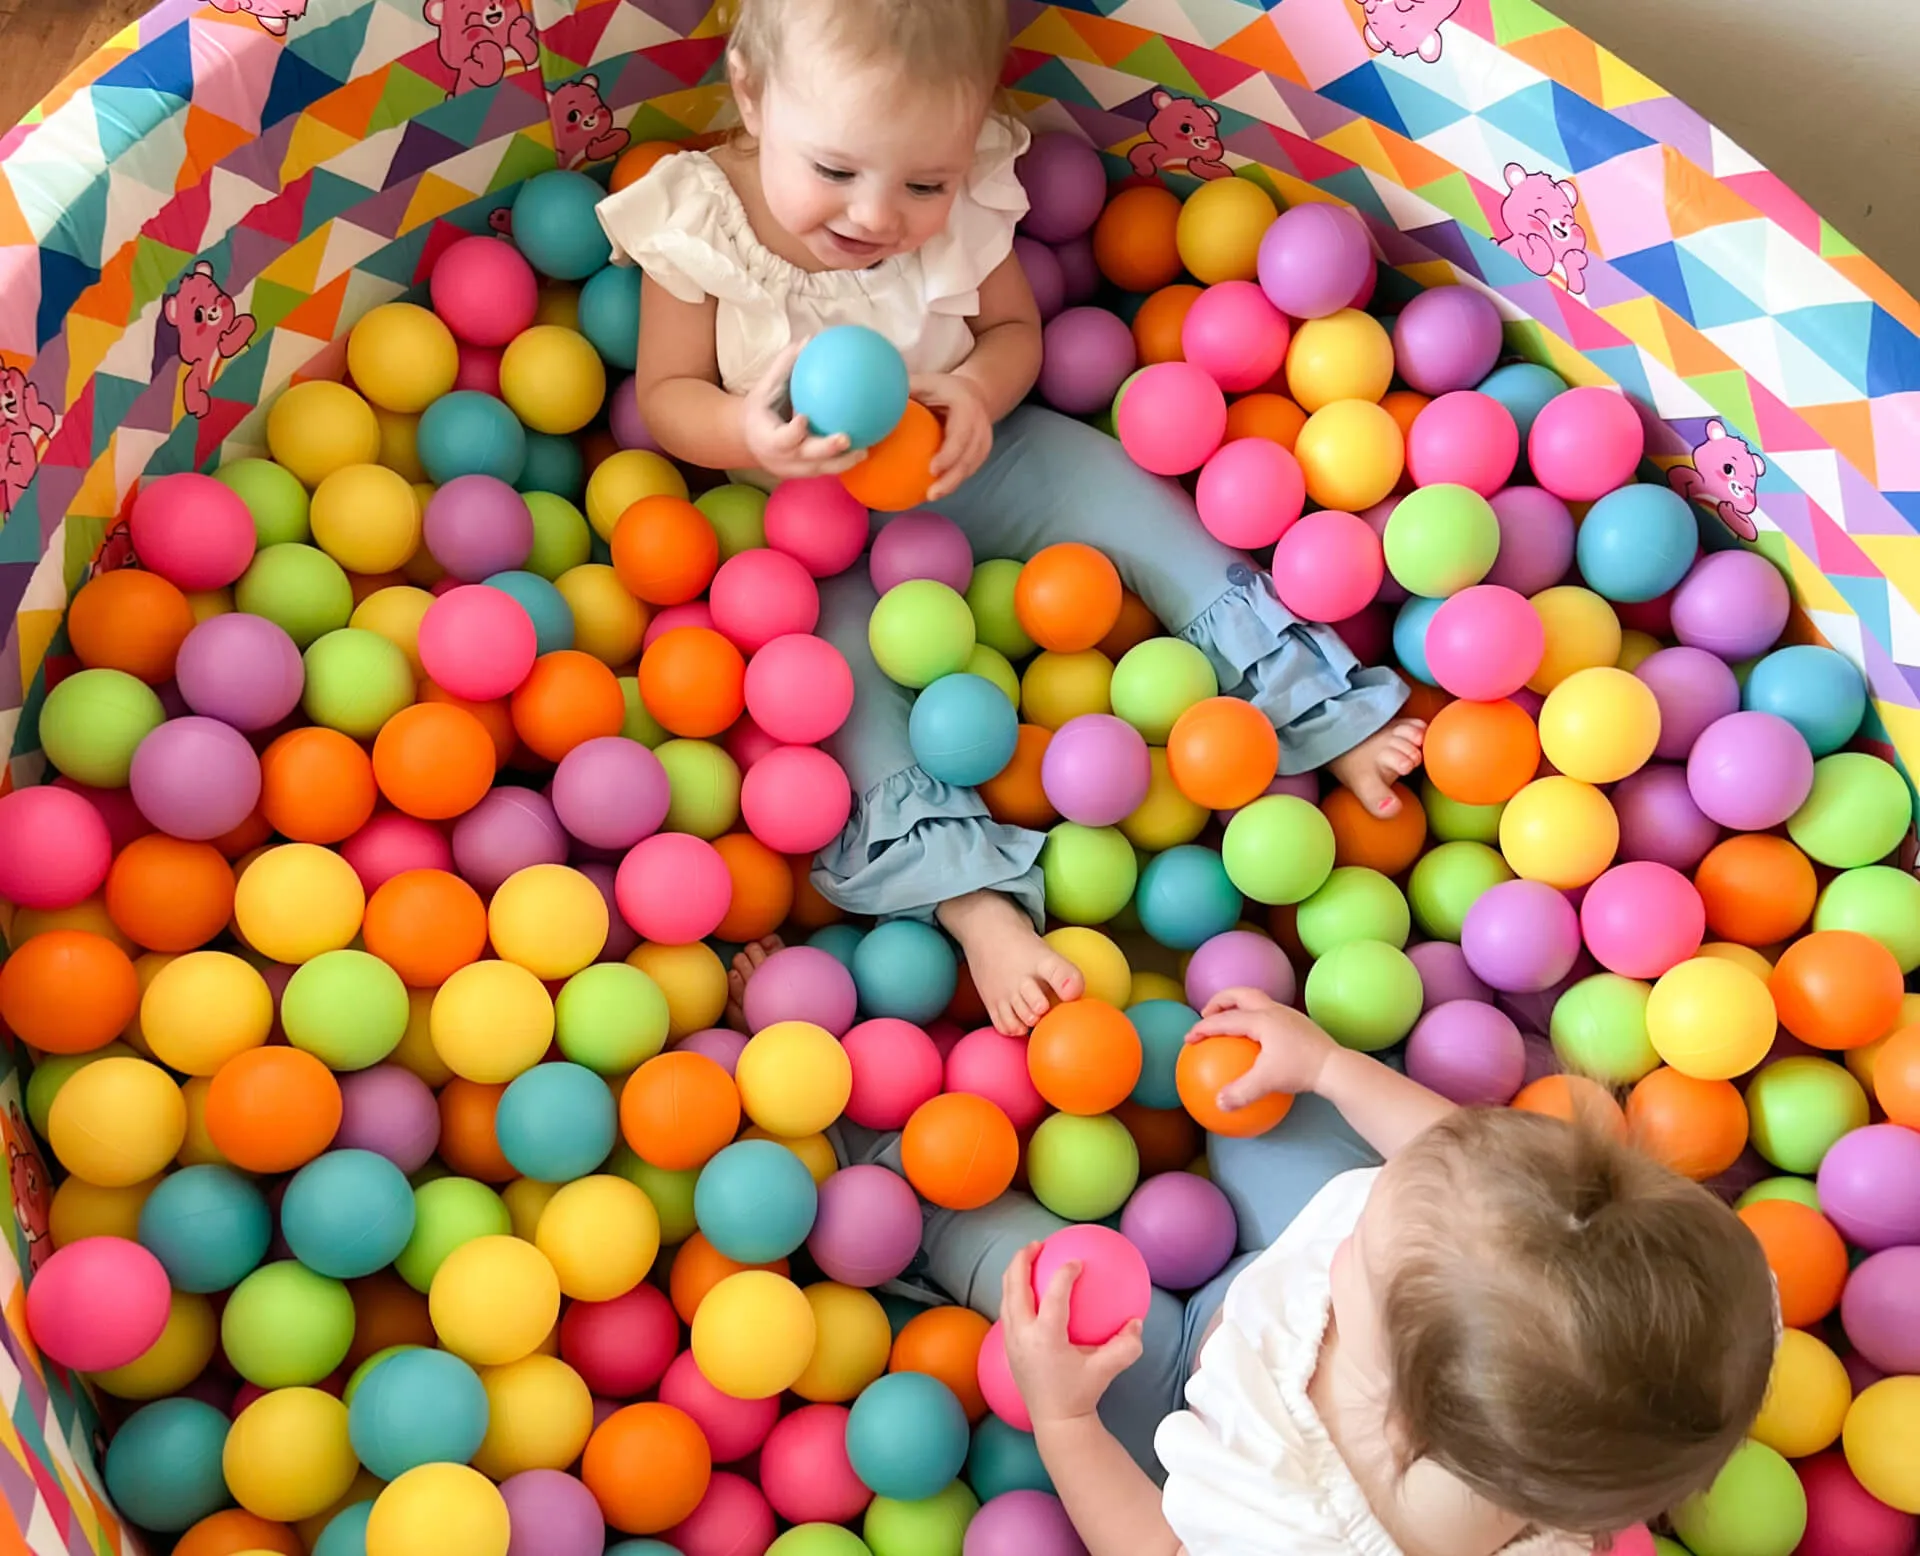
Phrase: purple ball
(195, 778)
(1079, 270)
(1469, 1052)
(622, 937)
(508, 830)
(1066, 185)
(1521, 936)
(1184, 1228)
(1880, 1309)
(242, 670)
(1445, 975)
(1659, 820)
(610, 792)
(801, 983)
(1314, 260)
(1750, 771)
(1041, 266)
(1733, 603)
(921, 545)
(551, 1513)
(1693, 688)
(867, 1228)
(391, 1112)
(1022, 1523)
(1869, 1186)
(1239, 959)
(1096, 770)
(476, 526)
(1447, 338)
(720, 1044)
(1536, 539)
(1087, 355)
(624, 420)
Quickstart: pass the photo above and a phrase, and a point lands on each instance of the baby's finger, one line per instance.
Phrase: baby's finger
(1227, 1023)
(1119, 1353)
(831, 447)
(1016, 1287)
(1057, 1297)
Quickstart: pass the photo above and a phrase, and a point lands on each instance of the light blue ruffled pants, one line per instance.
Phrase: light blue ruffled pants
(914, 842)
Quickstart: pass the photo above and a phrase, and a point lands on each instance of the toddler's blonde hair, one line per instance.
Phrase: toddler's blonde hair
(933, 43)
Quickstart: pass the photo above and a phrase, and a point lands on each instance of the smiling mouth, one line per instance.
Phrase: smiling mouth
(861, 246)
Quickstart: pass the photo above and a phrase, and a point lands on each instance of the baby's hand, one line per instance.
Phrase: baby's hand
(780, 442)
(969, 435)
(1293, 1051)
(1059, 1381)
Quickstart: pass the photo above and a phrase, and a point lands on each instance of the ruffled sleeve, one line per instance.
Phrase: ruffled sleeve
(683, 225)
(979, 233)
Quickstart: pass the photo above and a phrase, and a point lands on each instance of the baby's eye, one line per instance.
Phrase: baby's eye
(926, 191)
(833, 175)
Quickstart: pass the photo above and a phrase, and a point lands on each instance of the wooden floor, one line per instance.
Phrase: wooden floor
(41, 40)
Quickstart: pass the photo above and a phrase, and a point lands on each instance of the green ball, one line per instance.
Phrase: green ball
(356, 681)
(1599, 1029)
(1441, 539)
(1366, 994)
(1157, 681)
(671, 1192)
(703, 787)
(52, 1071)
(1858, 811)
(273, 495)
(1278, 849)
(1082, 1168)
(640, 725)
(819, 1540)
(286, 1327)
(562, 539)
(990, 599)
(299, 589)
(1797, 1108)
(93, 722)
(1448, 880)
(738, 514)
(1088, 872)
(347, 1008)
(992, 665)
(610, 1017)
(1354, 903)
(1878, 901)
(446, 1213)
(1451, 822)
(935, 1527)
(1802, 1191)
(920, 631)
(1756, 1506)
(1003, 1458)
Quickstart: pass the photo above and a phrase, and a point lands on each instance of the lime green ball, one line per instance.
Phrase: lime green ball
(990, 599)
(671, 1192)
(1599, 1029)
(738, 514)
(1441, 539)
(300, 589)
(935, 1527)
(1801, 1191)
(1278, 849)
(273, 495)
(1157, 681)
(347, 1008)
(992, 665)
(93, 722)
(1082, 1168)
(640, 725)
(1088, 872)
(448, 1212)
(52, 1071)
(1756, 1506)
(562, 539)
(1451, 822)
(1366, 994)
(1450, 879)
(1858, 811)
(1354, 903)
(1662, 1546)
(286, 1327)
(920, 631)
(703, 785)
(819, 1540)
(610, 1017)
(1878, 901)
(1797, 1108)
(356, 681)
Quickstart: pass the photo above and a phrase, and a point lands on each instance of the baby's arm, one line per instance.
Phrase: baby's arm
(1386, 1109)
(1005, 361)
(1115, 1509)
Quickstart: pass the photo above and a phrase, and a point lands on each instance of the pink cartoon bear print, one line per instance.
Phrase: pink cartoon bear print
(1724, 476)
(25, 421)
(476, 36)
(1407, 28)
(583, 128)
(32, 1194)
(212, 328)
(1541, 231)
(1181, 131)
(272, 15)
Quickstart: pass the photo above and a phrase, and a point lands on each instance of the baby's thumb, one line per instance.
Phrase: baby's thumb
(1249, 1088)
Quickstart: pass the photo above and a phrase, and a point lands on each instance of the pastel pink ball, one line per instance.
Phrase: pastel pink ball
(991, 1065)
(1234, 334)
(1172, 416)
(695, 613)
(673, 888)
(1251, 491)
(795, 799)
(477, 643)
(817, 522)
(1466, 439)
(1328, 566)
(760, 595)
(733, 1427)
(1585, 443)
(896, 1067)
(484, 291)
(192, 530)
(1112, 1289)
(732, 1519)
(805, 1471)
(1485, 642)
(995, 1378)
(923, 545)
(98, 1303)
(390, 844)
(799, 689)
(1642, 918)
(55, 848)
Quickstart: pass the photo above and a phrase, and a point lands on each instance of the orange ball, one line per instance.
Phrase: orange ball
(1068, 597)
(1807, 1255)
(495, 717)
(678, 1109)
(1837, 988)
(944, 1343)
(698, 1267)
(638, 161)
(762, 887)
(1157, 326)
(386, 1312)
(468, 1141)
(236, 1532)
(1084, 1057)
(246, 837)
(1896, 1077)
(664, 551)
(1388, 844)
(272, 1109)
(316, 785)
(1167, 1138)
(898, 470)
(1270, 416)
(693, 681)
(1403, 405)
(1758, 889)
(810, 910)
(1572, 1098)
(1222, 753)
(426, 925)
(1482, 753)
(1014, 795)
(1133, 627)
(168, 894)
(129, 620)
(68, 991)
(1424, 702)
(1205, 1067)
(1134, 243)
(959, 1151)
(1696, 1127)
(567, 699)
(648, 1467)
(434, 760)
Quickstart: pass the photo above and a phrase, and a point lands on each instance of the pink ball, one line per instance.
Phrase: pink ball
(1659, 819)
(1844, 1518)
(733, 1427)
(801, 983)
(796, 799)
(921, 545)
(195, 778)
(391, 1112)
(722, 1045)
(1642, 918)
(116, 808)
(508, 830)
(1445, 975)
(799, 689)
(391, 844)
(1235, 335)
(1316, 260)
(476, 526)
(1112, 1288)
(991, 1065)
(896, 1067)
(620, 936)
(1637, 1541)
(610, 792)
(1328, 566)
(1085, 356)
(621, 1348)
(479, 370)
(1172, 416)
(55, 848)
(1368, 634)
(732, 1519)
(1250, 492)
(1585, 442)
(1464, 438)
(97, 1304)
(805, 1471)
(867, 1228)
(1096, 770)
(1066, 185)
(747, 742)
(484, 291)
(1731, 603)
(695, 613)
(242, 670)
(1536, 540)
(817, 522)
(673, 888)
(551, 1513)
(760, 595)
(477, 643)
(192, 530)
(995, 1378)
(1485, 642)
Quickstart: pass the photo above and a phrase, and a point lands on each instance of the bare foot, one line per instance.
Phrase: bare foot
(746, 963)
(1372, 768)
(1019, 976)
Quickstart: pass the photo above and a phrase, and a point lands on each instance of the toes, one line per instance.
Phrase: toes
(1030, 1001)
(1006, 1020)
(1373, 792)
(1063, 977)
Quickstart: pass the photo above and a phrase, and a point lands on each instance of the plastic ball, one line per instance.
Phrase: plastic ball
(805, 1472)
(1600, 725)
(753, 1334)
(1328, 566)
(1134, 241)
(755, 1202)
(208, 1226)
(1750, 771)
(1084, 1056)
(274, 497)
(1585, 443)
(1536, 540)
(959, 1151)
(1352, 454)
(1469, 1052)
(1278, 849)
(794, 1078)
(692, 680)
(1366, 994)
(493, 1300)
(1732, 603)
(1082, 1169)
(907, 1436)
(288, 1456)
(1843, 1518)
(1220, 229)
(117, 1122)
(898, 471)
(1441, 539)
(1837, 989)
(1236, 335)
(850, 381)
(1250, 493)
(1314, 260)
(272, 1109)
(1857, 811)
(678, 1109)
(477, 526)
(963, 730)
(556, 1122)
(1484, 643)
(1815, 689)
(55, 849)
(601, 1235)
(1637, 543)
(485, 290)
(1172, 417)
(796, 799)
(1560, 831)
(867, 1228)
(98, 1303)
(1801, 1108)
(553, 379)
(1087, 353)
(163, 1465)
(554, 225)
(1710, 1018)
(286, 1326)
(1446, 338)
(417, 1407)
(1066, 185)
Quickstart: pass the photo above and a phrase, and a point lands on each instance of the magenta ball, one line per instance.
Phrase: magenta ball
(1328, 566)
(722, 1045)
(1315, 260)
(115, 808)
(1536, 539)
(921, 545)
(621, 1347)
(1066, 184)
(1096, 770)
(1112, 1289)
(1446, 338)
(1693, 688)
(1659, 820)
(733, 1427)
(1445, 975)
(1485, 643)
(192, 530)
(732, 1519)
(1250, 492)
(1172, 417)
(1642, 918)
(1466, 439)
(508, 830)
(1239, 959)
(620, 936)
(1750, 771)
(896, 1067)
(1585, 443)
(1880, 1309)
(551, 1513)
(673, 888)
(991, 1065)
(799, 689)
(995, 1377)
(1468, 1051)
(1733, 603)
(747, 742)
(195, 778)
(1368, 633)
(801, 983)
(795, 799)
(1184, 1228)
(1041, 267)
(760, 595)
(479, 370)
(610, 792)
(1236, 335)
(624, 421)
(1870, 1186)
(1079, 270)
(805, 1471)
(695, 613)
(242, 670)
(867, 1228)
(1086, 354)
(55, 848)
(476, 643)
(97, 1304)
(484, 291)
(1844, 1518)
(476, 526)
(1022, 1523)
(391, 1112)
(1521, 937)
(817, 522)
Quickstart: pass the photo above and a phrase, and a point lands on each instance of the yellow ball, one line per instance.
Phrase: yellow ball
(553, 379)
(82, 1209)
(608, 623)
(1220, 229)
(439, 1510)
(1352, 454)
(1058, 687)
(794, 1078)
(1742, 956)
(203, 1008)
(1882, 1426)
(146, 968)
(90, 915)
(1600, 725)
(991, 665)
(692, 977)
(400, 445)
(198, 1149)
(1807, 1398)
(1583, 633)
(601, 1235)
(1166, 817)
(395, 614)
(1345, 356)
(1102, 963)
(852, 1342)
(815, 1151)
(493, 1300)
(548, 919)
(1710, 1018)
(416, 1051)
(753, 1335)
(1560, 831)
(366, 518)
(402, 357)
(118, 1122)
(319, 427)
(491, 1021)
(297, 900)
(559, 306)
(208, 603)
(174, 1360)
(288, 1456)
(540, 1414)
(622, 480)
(1155, 986)
(527, 1199)
(1636, 647)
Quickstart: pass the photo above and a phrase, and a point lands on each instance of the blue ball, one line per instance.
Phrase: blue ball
(1410, 636)
(417, 1407)
(556, 1122)
(163, 1465)
(1524, 389)
(347, 1214)
(1637, 543)
(470, 433)
(1163, 1026)
(208, 1226)
(635, 1548)
(1003, 1458)
(555, 225)
(850, 379)
(1816, 690)
(963, 730)
(554, 464)
(610, 315)
(755, 1201)
(346, 1532)
(907, 969)
(840, 941)
(552, 616)
(907, 1436)
(1184, 897)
